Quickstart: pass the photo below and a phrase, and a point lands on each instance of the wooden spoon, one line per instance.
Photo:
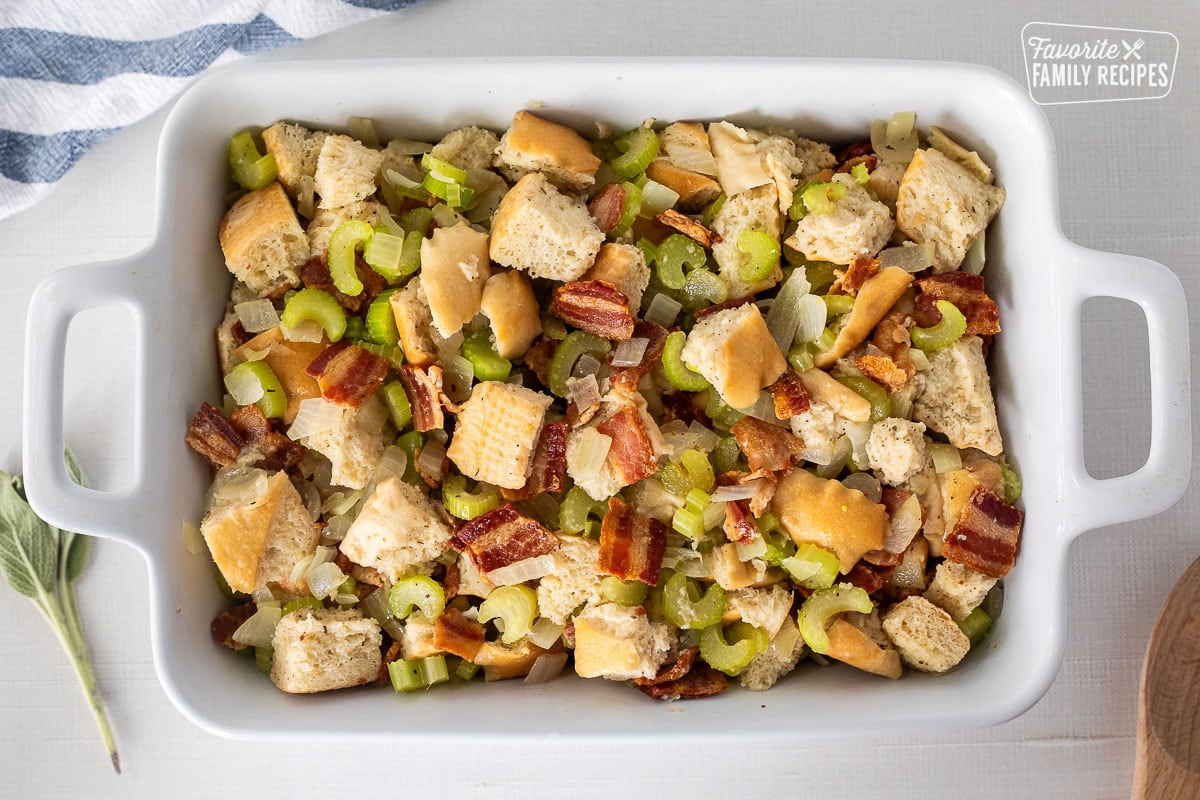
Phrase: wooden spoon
(1168, 753)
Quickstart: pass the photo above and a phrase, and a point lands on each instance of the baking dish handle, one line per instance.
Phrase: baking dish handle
(1162, 480)
(57, 300)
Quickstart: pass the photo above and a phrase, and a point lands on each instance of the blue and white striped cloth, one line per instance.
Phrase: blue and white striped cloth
(74, 72)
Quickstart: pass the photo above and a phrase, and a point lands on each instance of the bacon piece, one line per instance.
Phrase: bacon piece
(315, 275)
(502, 537)
(393, 653)
(851, 279)
(348, 374)
(883, 370)
(225, 624)
(626, 379)
(766, 491)
(549, 468)
(454, 633)
(681, 666)
(768, 447)
(538, 356)
(732, 303)
(855, 150)
(868, 158)
(986, 534)
(631, 546)
(607, 205)
(423, 385)
(688, 227)
(892, 339)
(272, 449)
(789, 394)
(966, 292)
(738, 525)
(869, 577)
(594, 306)
(702, 681)
(631, 453)
(212, 436)
(682, 406)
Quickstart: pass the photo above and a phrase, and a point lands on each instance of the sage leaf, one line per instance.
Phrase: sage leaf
(28, 547)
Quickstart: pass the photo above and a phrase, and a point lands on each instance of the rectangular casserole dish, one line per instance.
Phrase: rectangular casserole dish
(177, 289)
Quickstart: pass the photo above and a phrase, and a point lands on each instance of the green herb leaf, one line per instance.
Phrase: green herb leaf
(28, 547)
(74, 548)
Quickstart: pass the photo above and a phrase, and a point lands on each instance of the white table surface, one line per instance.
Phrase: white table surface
(1128, 178)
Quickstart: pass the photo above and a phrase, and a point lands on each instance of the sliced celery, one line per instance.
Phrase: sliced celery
(416, 220)
(576, 510)
(630, 208)
(838, 304)
(819, 274)
(263, 658)
(948, 331)
(343, 244)
(412, 442)
(677, 254)
(405, 675)
(881, 402)
(680, 375)
(468, 505)
(725, 455)
(763, 251)
(516, 606)
(703, 287)
(568, 352)
(382, 254)
(249, 168)
(1012, 484)
(824, 604)
(419, 592)
(398, 406)
(860, 174)
(638, 148)
(487, 363)
(273, 402)
(301, 602)
(355, 327)
(316, 305)
(688, 522)
(685, 607)
(811, 567)
(380, 326)
(699, 470)
(731, 649)
(626, 593)
(712, 209)
(976, 625)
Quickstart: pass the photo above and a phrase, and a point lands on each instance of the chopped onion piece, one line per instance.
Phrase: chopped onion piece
(525, 570)
(657, 198)
(738, 491)
(308, 331)
(262, 595)
(310, 496)
(866, 483)
(629, 352)
(764, 409)
(257, 316)
(713, 515)
(583, 392)
(544, 633)
(909, 257)
(830, 460)
(663, 310)
(946, 458)
(315, 415)
(335, 528)
(858, 433)
(372, 415)
(587, 364)
(756, 549)
(363, 129)
(445, 216)
(919, 359)
(259, 629)
(324, 580)
(397, 178)
(783, 318)
(408, 147)
(256, 355)
(590, 454)
(432, 461)
(458, 374)
(685, 560)
(301, 567)
(546, 667)
(973, 262)
(903, 526)
(237, 484)
(895, 139)
(346, 599)
(244, 386)
(193, 542)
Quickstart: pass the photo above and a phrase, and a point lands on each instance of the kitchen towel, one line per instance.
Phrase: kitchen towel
(74, 73)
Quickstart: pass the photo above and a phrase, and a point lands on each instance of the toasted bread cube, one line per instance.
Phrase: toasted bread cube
(533, 144)
(321, 649)
(969, 159)
(289, 361)
(454, 268)
(753, 210)
(734, 351)
(686, 146)
(355, 444)
(957, 589)
(940, 201)
(875, 299)
(695, 190)
(346, 171)
(624, 266)
(896, 449)
(467, 148)
(257, 533)
(857, 227)
(926, 636)
(767, 608)
(619, 643)
(573, 582)
(410, 307)
(543, 232)
(731, 573)
(812, 157)
(851, 646)
(296, 149)
(501, 662)
(956, 399)
(398, 532)
(497, 432)
(825, 513)
(780, 658)
(263, 242)
(884, 181)
(326, 220)
(417, 639)
(826, 390)
(513, 312)
(740, 164)
(227, 341)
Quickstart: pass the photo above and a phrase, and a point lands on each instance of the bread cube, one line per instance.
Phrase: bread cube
(851, 646)
(512, 311)
(941, 202)
(875, 299)
(543, 232)
(740, 165)
(497, 432)
(767, 608)
(619, 643)
(346, 171)
(957, 589)
(398, 532)
(752, 210)
(296, 149)
(926, 636)
(454, 268)
(686, 146)
(896, 449)
(734, 351)
(780, 658)
(857, 227)
(533, 144)
(573, 582)
(956, 399)
(825, 513)
(417, 639)
(624, 266)
(289, 361)
(826, 390)
(731, 573)
(263, 242)
(257, 531)
(326, 220)
(321, 649)
(471, 147)
(410, 307)
(355, 444)
(695, 190)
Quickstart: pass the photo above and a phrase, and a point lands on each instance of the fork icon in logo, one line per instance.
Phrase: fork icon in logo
(1132, 49)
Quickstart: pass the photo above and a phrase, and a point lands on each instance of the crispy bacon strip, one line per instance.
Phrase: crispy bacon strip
(966, 292)
(212, 436)
(538, 356)
(883, 371)
(702, 681)
(986, 534)
(225, 624)
(688, 227)
(766, 492)
(767, 447)
(892, 339)
(549, 469)
(738, 525)
(681, 666)
(393, 653)
(731, 303)
(631, 453)
(789, 394)
(631, 546)
(869, 577)
(454, 633)
(868, 158)
(855, 150)
(854, 276)
(315, 275)
(423, 385)
(502, 537)
(626, 379)
(348, 374)
(594, 306)
(606, 206)
(274, 451)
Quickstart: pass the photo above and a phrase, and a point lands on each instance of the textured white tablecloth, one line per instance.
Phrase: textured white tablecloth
(1128, 175)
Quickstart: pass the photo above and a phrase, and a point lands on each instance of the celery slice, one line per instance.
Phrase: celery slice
(515, 605)
(976, 625)
(263, 658)
(824, 604)
(380, 326)
(811, 567)
(948, 331)
(638, 148)
(273, 402)
(398, 406)
(838, 304)
(301, 602)
(725, 455)
(316, 305)
(487, 363)
(860, 174)
(763, 251)
(343, 244)
(382, 253)
(699, 471)
(416, 592)
(680, 375)
(684, 606)
(468, 505)
(626, 593)
(881, 402)
(249, 168)
(412, 442)
(676, 254)
(731, 649)
(405, 675)
(576, 509)
(630, 208)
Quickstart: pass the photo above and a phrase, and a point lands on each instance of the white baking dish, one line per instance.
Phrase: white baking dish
(177, 289)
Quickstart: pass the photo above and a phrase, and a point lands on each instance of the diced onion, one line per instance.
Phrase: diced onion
(903, 526)
(363, 129)
(973, 262)
(335, 528)
(262, 595)
(908, 257)
(544, 633)
(237, 484)
(783, 318)
(257, 316)
(713, 515)
(397, 178)
(300, 568)
(690, 437)
(764, 409)
(315, 415)
(738, 491)
(657, 198)
(256, 355)
(546, 667)
(895, 139)
(458, 373)
(829, 461)
(372, 415)
(629, 352)
(685, 560)
(259, 629)
(919, 359)
(587, 364)
(408, 147)
(244, 386)
(858, 433)
(339, 503)
(308, 331)
(324, 580)
(432, 460)
(193, 542)
(525, 570)
(946, 458)
(583, 392)
(588, 456)
(755, 549)
(310, 496)
(866, 483)
(663, 310)
(445, 216)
